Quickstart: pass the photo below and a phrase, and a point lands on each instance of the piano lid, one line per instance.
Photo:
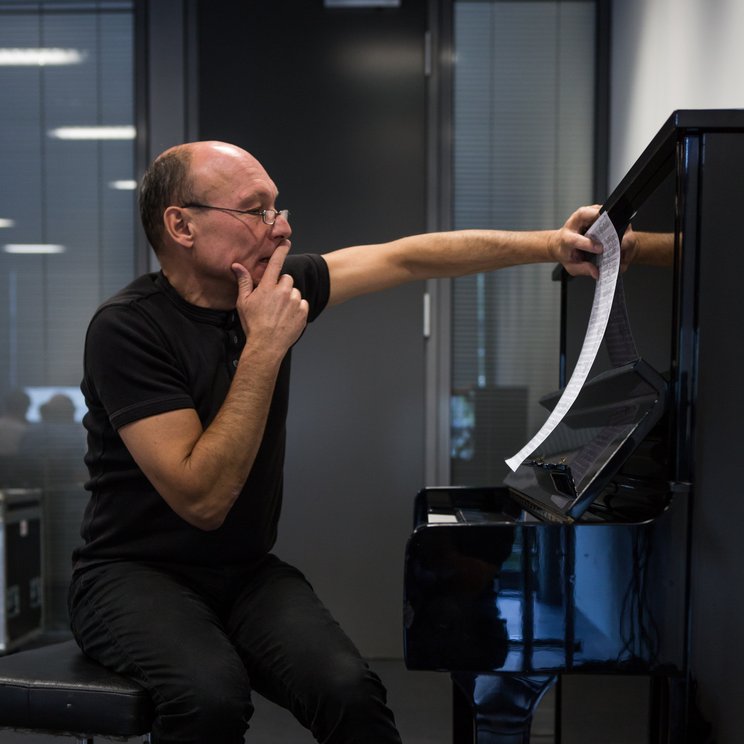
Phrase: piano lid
(611, 416)
(658, 158)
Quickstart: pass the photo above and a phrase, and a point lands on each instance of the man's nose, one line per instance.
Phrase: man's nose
(282, 228)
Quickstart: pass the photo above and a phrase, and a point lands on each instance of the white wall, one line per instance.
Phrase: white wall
(667, 55)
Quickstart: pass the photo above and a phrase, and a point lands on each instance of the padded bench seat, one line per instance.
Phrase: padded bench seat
(57, 689)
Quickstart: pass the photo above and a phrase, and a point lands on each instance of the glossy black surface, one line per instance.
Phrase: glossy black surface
(505, 596)
(611, 417)
(501, 591)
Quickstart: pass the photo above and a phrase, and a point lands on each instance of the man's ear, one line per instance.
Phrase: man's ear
(178, 226)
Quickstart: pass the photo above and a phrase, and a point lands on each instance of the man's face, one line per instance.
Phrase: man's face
(230, 178)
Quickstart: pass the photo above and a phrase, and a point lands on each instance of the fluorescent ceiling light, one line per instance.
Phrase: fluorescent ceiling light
(94, 133)
(5, 222)
(40, 57)
(124, 184)
(33, 248)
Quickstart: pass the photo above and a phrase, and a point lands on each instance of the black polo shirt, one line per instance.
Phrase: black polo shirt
(148, 351)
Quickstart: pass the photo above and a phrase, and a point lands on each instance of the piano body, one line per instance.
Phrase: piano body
(584, 560)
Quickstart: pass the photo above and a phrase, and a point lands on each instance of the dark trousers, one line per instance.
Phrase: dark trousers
(199, 640)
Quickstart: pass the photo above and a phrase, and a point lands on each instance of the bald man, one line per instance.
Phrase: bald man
(186, 378)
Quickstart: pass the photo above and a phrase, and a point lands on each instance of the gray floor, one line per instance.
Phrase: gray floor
(597, 709)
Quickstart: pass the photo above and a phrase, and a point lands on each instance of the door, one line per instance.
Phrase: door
(332, 102)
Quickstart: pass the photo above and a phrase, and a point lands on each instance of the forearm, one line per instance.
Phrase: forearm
(273, 316)
(217, 468)
(462, 252)
(200, 472)
(654, 248)
(369, 268)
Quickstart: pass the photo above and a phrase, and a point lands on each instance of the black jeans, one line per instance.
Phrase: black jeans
(199, 640)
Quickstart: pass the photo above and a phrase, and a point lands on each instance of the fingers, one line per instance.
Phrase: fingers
(274, 267)
(587, 268)
(587, 245)
(628, 248)
(245, 280)
(295, 296)
(578, 223)
(574, 247)
(583, 217)
(582, 268)
(574, 244)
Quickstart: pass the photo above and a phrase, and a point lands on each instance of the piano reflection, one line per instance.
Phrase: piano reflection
(580, 562)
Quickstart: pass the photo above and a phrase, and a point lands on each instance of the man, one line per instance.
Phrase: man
(186, 378)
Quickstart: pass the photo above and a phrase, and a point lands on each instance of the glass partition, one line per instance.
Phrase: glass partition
(66, 240)
(524, 78)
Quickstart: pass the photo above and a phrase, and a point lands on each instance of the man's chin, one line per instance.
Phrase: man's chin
(258, 270)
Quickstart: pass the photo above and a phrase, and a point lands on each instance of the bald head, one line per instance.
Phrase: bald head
(223, 173)
(188, 173)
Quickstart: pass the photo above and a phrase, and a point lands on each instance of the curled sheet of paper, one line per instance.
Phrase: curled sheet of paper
(608, 263)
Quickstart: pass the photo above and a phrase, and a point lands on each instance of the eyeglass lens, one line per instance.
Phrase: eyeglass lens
(270, 215)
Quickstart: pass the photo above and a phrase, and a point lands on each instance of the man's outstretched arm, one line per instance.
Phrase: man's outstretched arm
(369, 268)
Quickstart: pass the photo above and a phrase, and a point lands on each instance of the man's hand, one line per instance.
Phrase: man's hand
(572, 248)
(628, 248)
(273, 314)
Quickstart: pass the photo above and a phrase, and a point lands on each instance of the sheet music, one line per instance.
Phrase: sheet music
(608, 263)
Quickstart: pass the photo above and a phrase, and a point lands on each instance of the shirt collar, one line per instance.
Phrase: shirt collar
(222, 318)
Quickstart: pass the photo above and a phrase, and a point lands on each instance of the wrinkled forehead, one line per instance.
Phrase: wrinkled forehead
(222, 171)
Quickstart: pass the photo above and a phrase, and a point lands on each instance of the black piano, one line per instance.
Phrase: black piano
(586, 560)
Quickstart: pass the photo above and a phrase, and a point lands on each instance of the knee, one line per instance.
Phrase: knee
(207, 709)
(353, 685)
(353, 706)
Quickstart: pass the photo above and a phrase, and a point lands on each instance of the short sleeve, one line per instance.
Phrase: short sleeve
(311, 277)
(130, 370)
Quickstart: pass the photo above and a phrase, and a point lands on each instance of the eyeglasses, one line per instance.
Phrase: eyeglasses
(269, 216)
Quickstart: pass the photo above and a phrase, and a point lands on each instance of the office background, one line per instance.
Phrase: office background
(353, 114)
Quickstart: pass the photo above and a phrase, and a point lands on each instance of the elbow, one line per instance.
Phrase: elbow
(206, 523)
(205, 511)
(201, 499)
(207, 516)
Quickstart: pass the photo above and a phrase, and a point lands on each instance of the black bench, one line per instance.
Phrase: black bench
(58, 690)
